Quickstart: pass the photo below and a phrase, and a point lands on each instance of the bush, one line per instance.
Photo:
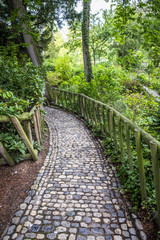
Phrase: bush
(63, 68)
(22, 84)
(53, 79)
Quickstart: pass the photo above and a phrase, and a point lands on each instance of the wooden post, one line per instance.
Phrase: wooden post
(89, 111)
(83, 109)
(120, 138)
(104, 120)
(27, 128)
(140, 165)
(65, 99)
(61, 98)
(95, 114)
(24, 137)
(36, 129)
(99, 111)
(156, 175)
(6, 155)
(114, 131)
(128, 142)
(38, 122)
(111, 123)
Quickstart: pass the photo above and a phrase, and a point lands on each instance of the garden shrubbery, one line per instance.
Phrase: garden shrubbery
(22, 86)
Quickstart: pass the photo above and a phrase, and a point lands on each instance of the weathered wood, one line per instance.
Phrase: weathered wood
(87, 110)
(2, 161)
(128, 143)
(104, 120)
(99, 113)
(27, 128)
(36, 129)
(24, 137)
(156, 175)
(95, 115)
(120, 139)
(90, 111)
(6, 155)
(24, 157)
(114, 133)
(38, 122)
(24, 116)
(140, 165)
(110, 115)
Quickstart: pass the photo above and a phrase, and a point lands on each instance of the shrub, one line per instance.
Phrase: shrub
(21, 83)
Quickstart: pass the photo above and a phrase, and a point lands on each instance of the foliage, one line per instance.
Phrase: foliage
(22, 85)
(104, 86)
(12, 141)
(63, 68)
(11, 105)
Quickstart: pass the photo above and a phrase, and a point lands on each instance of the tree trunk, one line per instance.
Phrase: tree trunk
(32, 50)
(85, 40)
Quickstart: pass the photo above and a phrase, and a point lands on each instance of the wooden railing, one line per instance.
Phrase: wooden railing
(23, 125)
(123, 132)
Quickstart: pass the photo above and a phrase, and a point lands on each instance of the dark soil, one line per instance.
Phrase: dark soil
(15, 183)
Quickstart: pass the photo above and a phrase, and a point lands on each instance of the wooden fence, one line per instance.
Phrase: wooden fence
(23, 125)
(120, 130)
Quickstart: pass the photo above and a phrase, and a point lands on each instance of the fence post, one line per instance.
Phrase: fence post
(24, 137)
(128, 142)
(120, 138)
(156, 175)
(6, 155)
(36, 128)
(140, 165)
(114, 132)
(27, 128)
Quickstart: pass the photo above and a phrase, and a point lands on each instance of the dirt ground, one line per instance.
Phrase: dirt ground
(15, 183)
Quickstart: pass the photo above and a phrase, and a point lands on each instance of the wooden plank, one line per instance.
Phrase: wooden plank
(24, 137)
(6, 155)
(36, 129)
(27, 128)
(128, 142)
(140, 165)
(120, 139)
(156, 175)
(38, 123)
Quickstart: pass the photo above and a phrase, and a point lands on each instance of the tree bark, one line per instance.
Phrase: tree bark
(32, 50)
(85, 40)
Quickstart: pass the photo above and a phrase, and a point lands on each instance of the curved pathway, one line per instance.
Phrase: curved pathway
(75, 195)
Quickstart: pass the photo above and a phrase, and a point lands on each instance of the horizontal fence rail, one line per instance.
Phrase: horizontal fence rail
(125, 135)
(27, 125)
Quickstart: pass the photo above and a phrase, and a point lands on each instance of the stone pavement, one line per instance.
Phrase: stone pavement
(75, 195)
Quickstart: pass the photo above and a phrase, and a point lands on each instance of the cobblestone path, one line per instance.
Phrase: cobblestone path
(75, 195)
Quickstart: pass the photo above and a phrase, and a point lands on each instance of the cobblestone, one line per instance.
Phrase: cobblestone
(75, 195)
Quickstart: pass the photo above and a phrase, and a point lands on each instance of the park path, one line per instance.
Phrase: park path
(75, 195)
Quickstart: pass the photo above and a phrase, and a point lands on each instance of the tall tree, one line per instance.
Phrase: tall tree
(85, 40)
(26, 31)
